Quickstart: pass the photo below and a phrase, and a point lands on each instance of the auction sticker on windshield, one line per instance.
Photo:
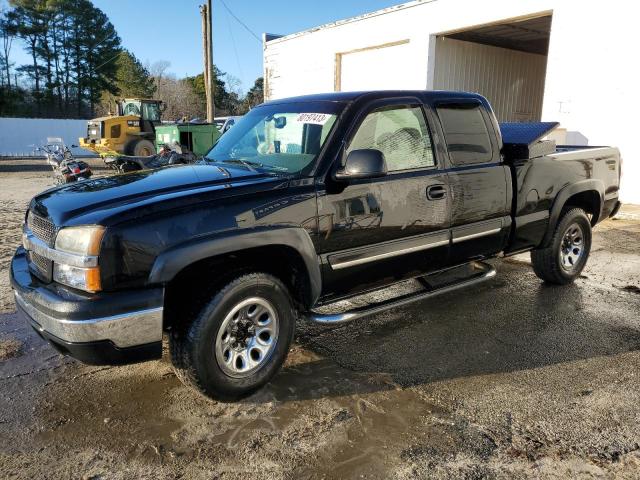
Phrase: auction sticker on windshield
(313, 118)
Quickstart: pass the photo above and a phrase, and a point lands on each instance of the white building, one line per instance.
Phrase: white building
(570, 61)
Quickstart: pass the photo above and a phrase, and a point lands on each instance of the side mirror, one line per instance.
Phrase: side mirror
(365, 163)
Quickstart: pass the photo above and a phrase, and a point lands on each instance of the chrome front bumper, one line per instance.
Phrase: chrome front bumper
(105, 328)
(123, 330)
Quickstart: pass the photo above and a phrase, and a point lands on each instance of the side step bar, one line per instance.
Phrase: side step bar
(482, 272)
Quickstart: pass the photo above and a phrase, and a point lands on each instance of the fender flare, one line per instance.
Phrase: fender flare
(170, 262)
(561, 199)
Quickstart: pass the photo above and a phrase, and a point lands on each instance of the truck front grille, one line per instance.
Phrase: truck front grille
(42, 227)
(45, 230)
(40, 266)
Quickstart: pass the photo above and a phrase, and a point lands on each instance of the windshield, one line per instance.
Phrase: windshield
(151, 112)
(131, 107)
(282, 138)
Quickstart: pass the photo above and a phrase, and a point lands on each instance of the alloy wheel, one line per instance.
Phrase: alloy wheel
(247, 337)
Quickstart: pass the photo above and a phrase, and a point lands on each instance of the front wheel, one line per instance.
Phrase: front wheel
(238, 340)
(142, 148)
(565, 257)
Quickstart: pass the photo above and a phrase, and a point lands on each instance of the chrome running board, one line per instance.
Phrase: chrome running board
(482, 272)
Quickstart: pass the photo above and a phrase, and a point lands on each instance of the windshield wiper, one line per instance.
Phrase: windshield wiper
(250, 165)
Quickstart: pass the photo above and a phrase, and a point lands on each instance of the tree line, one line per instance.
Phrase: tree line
(78, 67)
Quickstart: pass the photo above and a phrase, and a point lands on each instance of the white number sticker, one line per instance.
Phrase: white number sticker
(313, 118)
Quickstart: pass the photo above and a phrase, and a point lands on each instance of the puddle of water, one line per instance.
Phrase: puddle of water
(115, 411)
(367, 421)
(345, 423)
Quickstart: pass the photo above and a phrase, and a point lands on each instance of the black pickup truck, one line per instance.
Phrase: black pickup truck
(305, 202)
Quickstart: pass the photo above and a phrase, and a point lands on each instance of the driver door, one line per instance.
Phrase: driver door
(393, 227)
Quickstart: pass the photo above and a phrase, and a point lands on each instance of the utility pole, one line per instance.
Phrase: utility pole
(211, 109)
(205, 56)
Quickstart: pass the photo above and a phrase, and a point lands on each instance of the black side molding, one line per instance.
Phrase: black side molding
(170, 263)
(561, 200)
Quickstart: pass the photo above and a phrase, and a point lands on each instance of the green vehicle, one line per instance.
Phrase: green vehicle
(192, 137)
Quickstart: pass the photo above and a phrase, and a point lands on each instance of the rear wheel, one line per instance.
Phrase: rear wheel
(238, 340)
(567, 254)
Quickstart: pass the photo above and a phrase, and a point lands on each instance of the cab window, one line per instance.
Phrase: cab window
(151, 112)
(465, 133)
(400, 133)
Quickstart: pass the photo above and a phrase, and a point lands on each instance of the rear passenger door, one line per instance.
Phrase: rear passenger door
(480, 184)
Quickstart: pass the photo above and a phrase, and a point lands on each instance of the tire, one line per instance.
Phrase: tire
(563, 260)
(205, 352)
(143, 148)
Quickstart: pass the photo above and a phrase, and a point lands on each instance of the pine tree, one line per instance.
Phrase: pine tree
(73, 48)
(132, 78)
(255, 95)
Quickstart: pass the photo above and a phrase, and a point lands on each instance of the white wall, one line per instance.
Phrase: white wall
(305, 63)
(360, 70)
(592, 76)
(19, 135)
(591, 71)
(512, 81)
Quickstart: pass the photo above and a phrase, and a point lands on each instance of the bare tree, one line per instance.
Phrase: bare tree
(234, 94)
(179, 97)
(158, 70)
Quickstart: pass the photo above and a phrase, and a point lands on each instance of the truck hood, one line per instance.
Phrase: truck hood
(107, 200)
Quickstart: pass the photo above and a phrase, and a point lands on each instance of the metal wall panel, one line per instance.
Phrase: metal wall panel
(21, 136)
(512, 81)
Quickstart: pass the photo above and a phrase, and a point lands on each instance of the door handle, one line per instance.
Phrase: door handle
(436, 192)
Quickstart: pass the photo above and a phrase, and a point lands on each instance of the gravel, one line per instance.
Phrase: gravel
(509, 379)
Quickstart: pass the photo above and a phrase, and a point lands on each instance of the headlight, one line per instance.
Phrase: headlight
(87, 279)
(80, 240)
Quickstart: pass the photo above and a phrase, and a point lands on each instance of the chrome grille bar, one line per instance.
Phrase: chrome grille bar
(34, 244)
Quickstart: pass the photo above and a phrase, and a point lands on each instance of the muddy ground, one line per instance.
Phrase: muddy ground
(510, 379)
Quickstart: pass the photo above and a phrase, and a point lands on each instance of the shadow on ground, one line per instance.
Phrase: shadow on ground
(512, 323)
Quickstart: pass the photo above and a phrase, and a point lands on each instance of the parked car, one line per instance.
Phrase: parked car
(225, 123)
(305, 202)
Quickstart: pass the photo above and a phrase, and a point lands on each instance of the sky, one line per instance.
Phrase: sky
(171, 29)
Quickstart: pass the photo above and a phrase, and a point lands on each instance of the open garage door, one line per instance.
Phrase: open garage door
(505, 62)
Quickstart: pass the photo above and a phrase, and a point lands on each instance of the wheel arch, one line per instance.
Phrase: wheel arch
(276, 251)
(586, 194)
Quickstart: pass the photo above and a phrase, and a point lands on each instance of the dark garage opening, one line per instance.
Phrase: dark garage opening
(506, 62)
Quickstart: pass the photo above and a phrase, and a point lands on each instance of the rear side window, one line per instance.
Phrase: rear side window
(400, 133)
(466, 133)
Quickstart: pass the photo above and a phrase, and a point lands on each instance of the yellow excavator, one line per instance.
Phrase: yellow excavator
(130, 132)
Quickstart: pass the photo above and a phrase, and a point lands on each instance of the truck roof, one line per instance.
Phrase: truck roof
(347, 97)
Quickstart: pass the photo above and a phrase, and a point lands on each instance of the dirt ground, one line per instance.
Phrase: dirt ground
(510, 379)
